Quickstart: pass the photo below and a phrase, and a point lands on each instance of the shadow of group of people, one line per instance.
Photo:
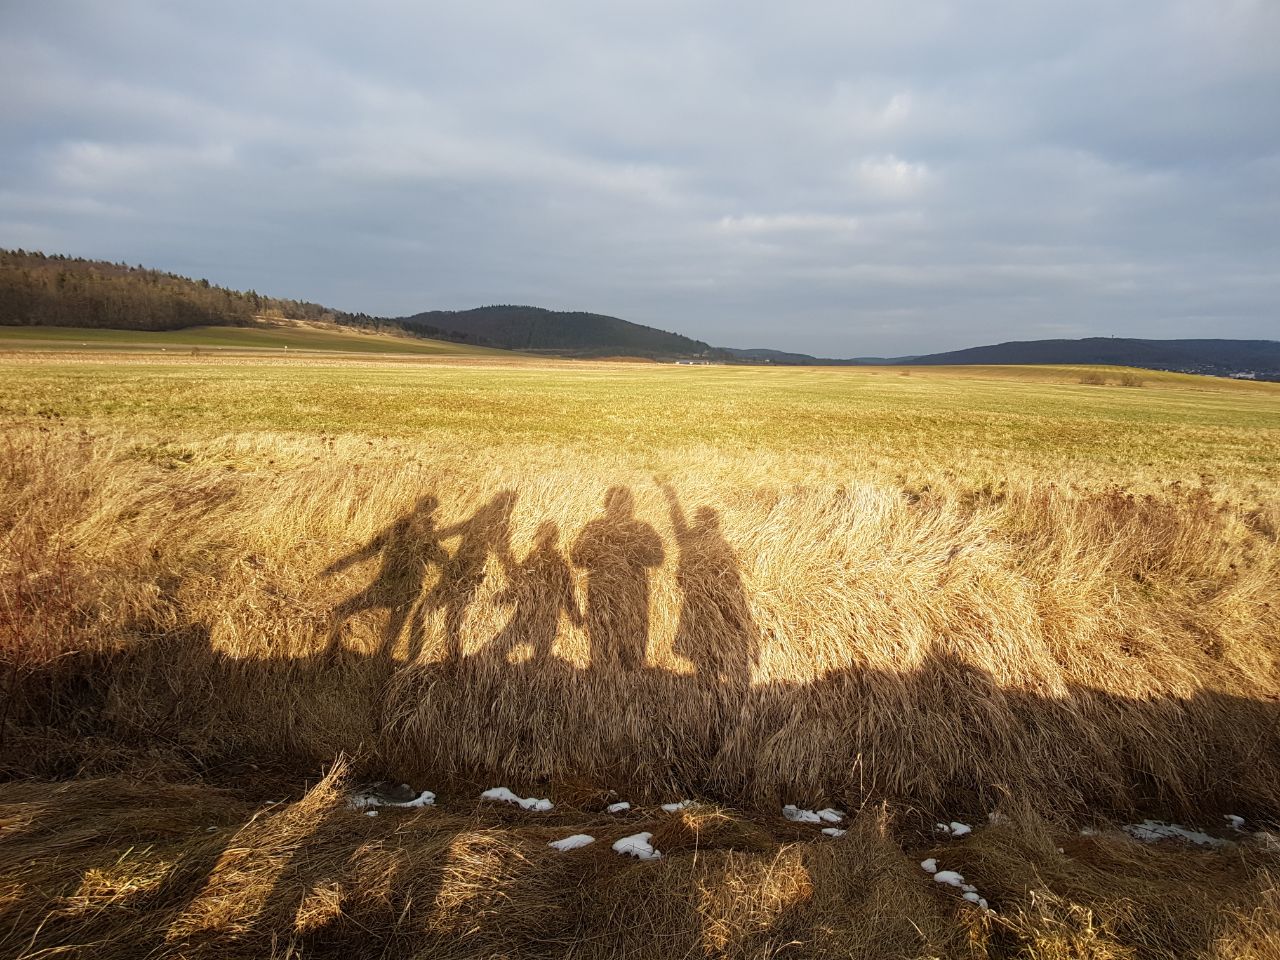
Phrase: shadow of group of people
(616, 551)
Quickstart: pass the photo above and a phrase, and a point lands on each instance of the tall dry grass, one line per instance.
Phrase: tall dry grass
(189, 626)
(1082, 648)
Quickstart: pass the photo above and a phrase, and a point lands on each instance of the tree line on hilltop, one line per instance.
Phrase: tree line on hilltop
(38, 289)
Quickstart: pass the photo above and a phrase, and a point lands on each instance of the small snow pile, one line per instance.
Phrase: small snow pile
(1152, 831)
(1234, 822)
(954, 879)
(618, 807)
(952, 829)
(677, 807)
(375, 797)
(826, 815)
(834, 831)
(571, 843)
(503, 795)
(371, 813)
(638, 845)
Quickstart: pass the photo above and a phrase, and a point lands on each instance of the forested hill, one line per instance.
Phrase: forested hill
(1214, 357)
(60, 291)
(555, 331)
(1191, 356)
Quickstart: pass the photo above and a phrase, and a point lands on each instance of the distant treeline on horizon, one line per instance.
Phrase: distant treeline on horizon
(38, 289)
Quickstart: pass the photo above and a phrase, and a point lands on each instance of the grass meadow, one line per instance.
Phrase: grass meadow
(235, 586)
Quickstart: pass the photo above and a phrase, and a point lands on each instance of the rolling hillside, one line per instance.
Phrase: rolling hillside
(1191, 356)
(297, 336)
(59, 291)
(554, 331)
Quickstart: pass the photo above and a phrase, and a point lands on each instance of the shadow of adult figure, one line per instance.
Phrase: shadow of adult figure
(716, 629)
(487, 531)
(617, 550)
(541, 589)
(408, 547)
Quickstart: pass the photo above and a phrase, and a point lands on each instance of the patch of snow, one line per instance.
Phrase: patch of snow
(952, 829)
(1151, 831)
(1234, 822)
(367, 799)
(572, 843)
(1089, 832)
(825, 815)
(677, 807)
(617, 807)
(425, 799)
(834, 831)
(503, 795)
(638, 845)
(949, 877)
(953, 878)
(371, 813)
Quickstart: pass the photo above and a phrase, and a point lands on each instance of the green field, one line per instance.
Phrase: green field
(314, 337)
(979, 422)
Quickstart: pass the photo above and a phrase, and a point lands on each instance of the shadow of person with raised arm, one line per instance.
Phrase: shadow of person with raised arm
(716, 629)
(408, 547)
(486, 531)
(541, 589)
(617, 550)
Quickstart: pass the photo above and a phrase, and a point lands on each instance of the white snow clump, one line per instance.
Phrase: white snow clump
(825, 815)
(572, 843)
(366, 799)
(638, 845)
(503, 795)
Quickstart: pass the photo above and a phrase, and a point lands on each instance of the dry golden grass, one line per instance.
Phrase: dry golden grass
(903, 596)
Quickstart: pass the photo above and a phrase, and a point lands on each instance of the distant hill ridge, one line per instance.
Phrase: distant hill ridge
(1192, 356)
(55, 290)
(565, 332)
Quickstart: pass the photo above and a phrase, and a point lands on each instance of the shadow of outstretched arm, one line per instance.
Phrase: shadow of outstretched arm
(678, 520)
(368, 551)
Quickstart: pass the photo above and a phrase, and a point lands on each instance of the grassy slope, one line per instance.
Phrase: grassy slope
(309, 337)
(960, 606)
(980, 423)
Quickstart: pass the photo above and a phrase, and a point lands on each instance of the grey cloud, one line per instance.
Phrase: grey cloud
(841, 178)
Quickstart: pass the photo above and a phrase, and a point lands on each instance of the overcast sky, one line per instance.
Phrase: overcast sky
(846, 178)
